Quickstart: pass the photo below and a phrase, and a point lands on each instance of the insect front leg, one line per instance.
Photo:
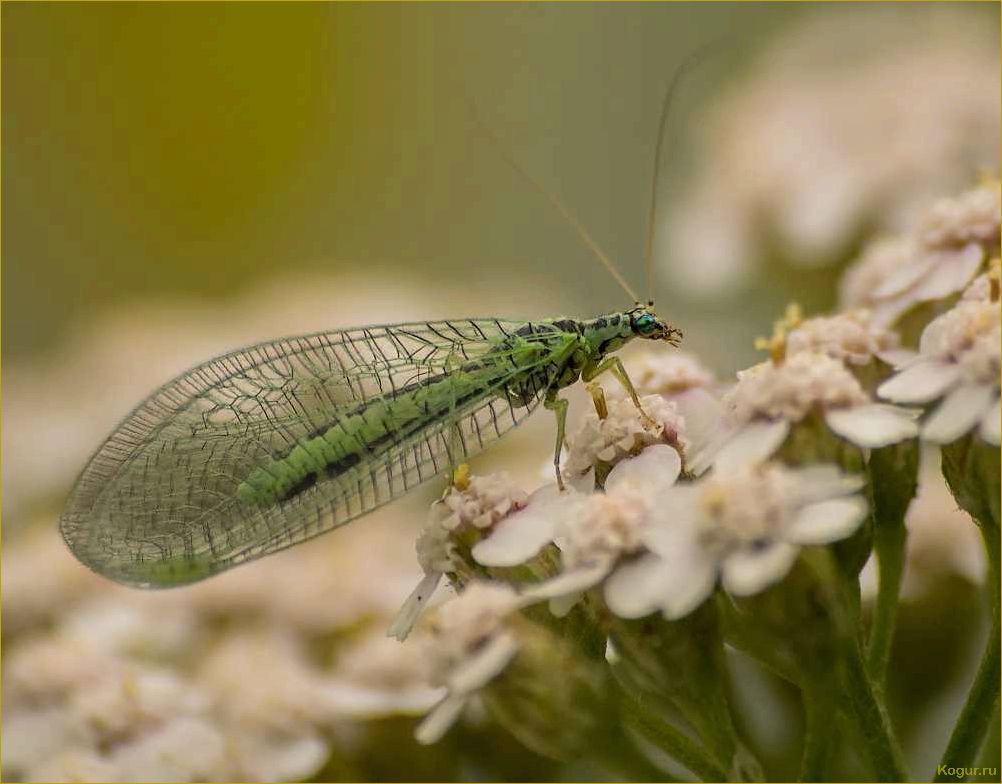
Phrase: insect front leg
(558, 406)
(614, 365)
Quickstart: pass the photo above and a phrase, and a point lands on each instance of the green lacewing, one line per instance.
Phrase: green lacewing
(268, 446)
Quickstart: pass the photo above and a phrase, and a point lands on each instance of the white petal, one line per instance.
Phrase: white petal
(368, 702)
(672, 523)
(904, 277)
(952, 271)
(572, 581)
(483, 666)
(753, 443)
(898, 358)
(703, 414)
(437, 723)
(960, 411)
(639, 588)
(518, 537)
(819, 482)
(656, 467)
(583, 483)
(920, 382)
(411, 609)
(747, 572)
(827, 521)
(874, 425)
(989, 429)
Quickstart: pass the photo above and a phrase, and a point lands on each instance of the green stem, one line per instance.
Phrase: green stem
(889, 547)
(976, 715)
(671, 740)
(893, 482)
(865, 700)
(745, 635)
(819, 712)
(623, 758)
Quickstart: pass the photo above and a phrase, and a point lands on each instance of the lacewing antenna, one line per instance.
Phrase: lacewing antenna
(567, 215)
(691, 60)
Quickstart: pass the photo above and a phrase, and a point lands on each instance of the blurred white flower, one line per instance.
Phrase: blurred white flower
(958, 361)
(943, 541)
(666, 373)
(368, 567)
(851, 337)
(745, 527)
(797, 153)
(478, 502)
(276, 703)
(97, 716)
(41, 579)
(376, 676)
(771, 397)
(940, 257)
(474, 644)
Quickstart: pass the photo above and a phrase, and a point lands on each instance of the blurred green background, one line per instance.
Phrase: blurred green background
(197, 148)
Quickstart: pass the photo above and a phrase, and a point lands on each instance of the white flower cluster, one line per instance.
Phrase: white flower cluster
(939, 257)
(958, 361)
(797, 153)
(216, 683)
(729, 503)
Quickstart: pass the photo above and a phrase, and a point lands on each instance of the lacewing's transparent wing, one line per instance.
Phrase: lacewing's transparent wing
(163, 501)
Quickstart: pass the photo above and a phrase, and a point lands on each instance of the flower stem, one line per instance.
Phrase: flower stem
(865, 699)
(889, 547)
(669, 739)
(976, 715)
(819, 710)
(893, 481)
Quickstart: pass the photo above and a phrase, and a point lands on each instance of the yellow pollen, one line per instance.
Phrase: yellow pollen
(792, 318)
(461, 477)
(714, 501)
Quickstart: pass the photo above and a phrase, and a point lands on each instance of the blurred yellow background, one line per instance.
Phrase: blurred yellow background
(155, 149)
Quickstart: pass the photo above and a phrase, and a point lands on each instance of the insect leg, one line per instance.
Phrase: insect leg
(558, 406)
(615, 366)
(453, 440)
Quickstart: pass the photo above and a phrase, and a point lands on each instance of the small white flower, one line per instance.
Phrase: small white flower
(850, 337)
(959, 362)
(940, 258)
(599, 530)
(971, 217)
(474, 645)
(683, 380)
(377, 677)
(771, 397)
(480, 502)
(666, 374)
(745, 527)
(622, 433)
